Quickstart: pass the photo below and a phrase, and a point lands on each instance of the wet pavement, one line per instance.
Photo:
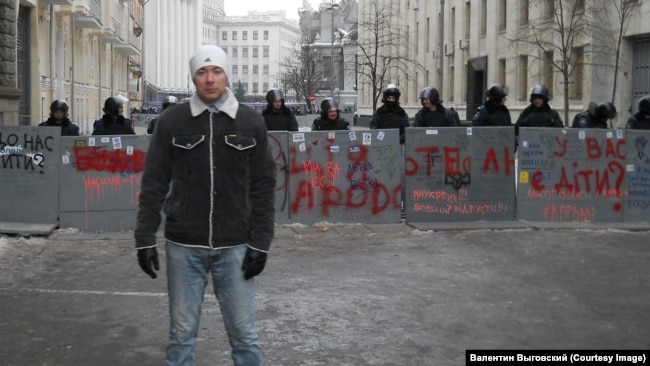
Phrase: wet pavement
(339, 295)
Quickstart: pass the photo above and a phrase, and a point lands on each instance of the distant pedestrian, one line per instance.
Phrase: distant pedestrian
(276, 115)
(330, 118)
(59, 118)
(113, 121)
(596, 116)
(167, 102)
(494, 111)
(390, 115)
(433, 113)
(641, 119)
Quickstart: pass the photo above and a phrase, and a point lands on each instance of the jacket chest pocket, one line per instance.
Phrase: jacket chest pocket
(240, 143)
(188, 153)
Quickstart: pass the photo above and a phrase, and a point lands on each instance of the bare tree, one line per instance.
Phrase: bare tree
(379, 45)
(609, 27)
(302, 73)
(558, 31)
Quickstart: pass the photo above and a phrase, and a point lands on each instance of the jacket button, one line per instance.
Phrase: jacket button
(188, 144)
(239, 146)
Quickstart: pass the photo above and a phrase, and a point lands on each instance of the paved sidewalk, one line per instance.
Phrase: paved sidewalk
(339, 295)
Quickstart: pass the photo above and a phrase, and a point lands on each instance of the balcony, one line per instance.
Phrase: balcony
(56, 2)
(114, 33)
(88, 14)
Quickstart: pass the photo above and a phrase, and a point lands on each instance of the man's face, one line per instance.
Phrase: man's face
(426, 103)
(59, 115)
(332, 114)
(391, 99)
(277, 104)
(210, 83)
(121, 110)
(538, 102)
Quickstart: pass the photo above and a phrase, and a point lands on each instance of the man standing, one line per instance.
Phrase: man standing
(433, 113)
(113, 121)
(167, 102)
(494, 111)
(219, 215)
(330, 117)
(59, 118)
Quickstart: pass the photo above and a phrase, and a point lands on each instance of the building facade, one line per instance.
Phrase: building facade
(257, 45)
(461, 47)
(82, 51)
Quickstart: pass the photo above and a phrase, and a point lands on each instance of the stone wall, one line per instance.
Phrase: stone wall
(9, 94)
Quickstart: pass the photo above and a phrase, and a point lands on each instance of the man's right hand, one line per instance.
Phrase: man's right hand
(146, 257)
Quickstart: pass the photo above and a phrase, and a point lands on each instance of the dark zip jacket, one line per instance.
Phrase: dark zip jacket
(67, 128)
(222, 178)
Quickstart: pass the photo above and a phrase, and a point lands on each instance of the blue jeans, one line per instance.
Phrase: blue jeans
(187, 277)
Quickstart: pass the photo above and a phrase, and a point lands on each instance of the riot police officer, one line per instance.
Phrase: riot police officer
(595, 117)
(276, 115)
(433, 113)
(539, 113)
(494, 111)
(59, 118)
(113, 121)
(167, 102)
(329, 118)
(641, 119)
(390, 115)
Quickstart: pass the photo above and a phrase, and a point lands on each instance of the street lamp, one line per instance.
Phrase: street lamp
(332, 8)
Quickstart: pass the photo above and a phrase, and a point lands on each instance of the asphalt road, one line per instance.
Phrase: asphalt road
(347, 295)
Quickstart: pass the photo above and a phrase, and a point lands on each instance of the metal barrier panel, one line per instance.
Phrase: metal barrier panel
(345, 176)
(637, 199)
(29, 172)
(100, 181)
(571, 175)
(459, 174)
(279, 143)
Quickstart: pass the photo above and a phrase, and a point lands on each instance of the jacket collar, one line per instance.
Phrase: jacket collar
(230, 106)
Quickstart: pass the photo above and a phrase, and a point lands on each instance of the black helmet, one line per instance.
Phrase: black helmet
(539, 91)
(169, 101)
(59, 105)
(273, 95)
(112, 107)
(393, 90)
(431, 94)
(497, 91)
(326, 105)
(602, 111)
(644, 105)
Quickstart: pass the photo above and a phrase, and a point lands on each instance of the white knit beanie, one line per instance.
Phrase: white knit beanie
(209, 55)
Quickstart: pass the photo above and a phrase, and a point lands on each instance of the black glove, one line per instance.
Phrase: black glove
(147, 256)
(253, 263)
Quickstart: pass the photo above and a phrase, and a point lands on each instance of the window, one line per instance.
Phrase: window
(244, 69)
(244, 52)
(523, 11)
(234, 35)
(265, 70)
(549, 8)
(266, 86)
(522, 85)
(468, 18)
(244, 36)
(501, 71)
(503, 14)
(483, 17)
(255, 88)
(547, 72)
(452, 25)
(575, 82)
(255, 69)
(254, 35)
(224, 35)
(256, 52)
(266, 37)
(265, 52)
(234, 52)
(234, 69)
